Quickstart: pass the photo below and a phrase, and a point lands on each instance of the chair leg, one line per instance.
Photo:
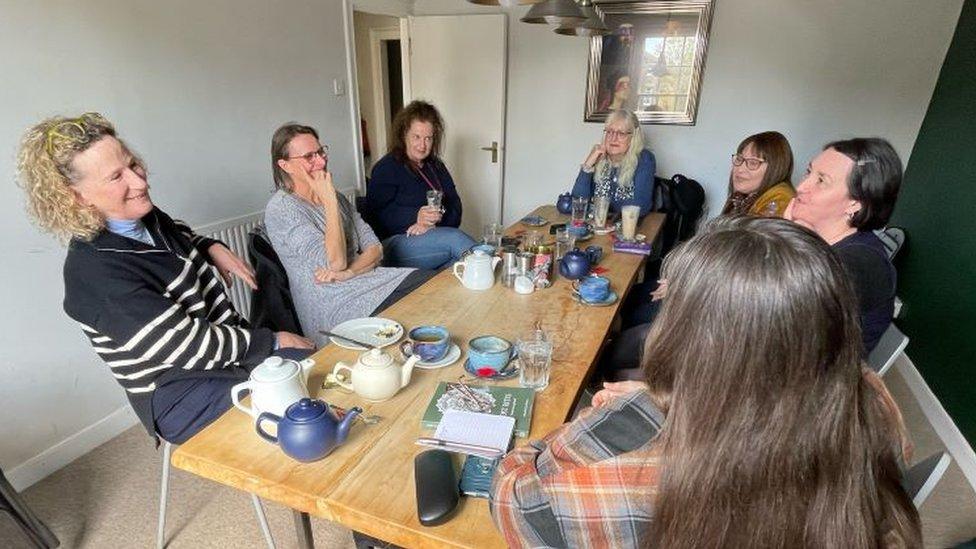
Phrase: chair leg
(163, 493)
(262, 520)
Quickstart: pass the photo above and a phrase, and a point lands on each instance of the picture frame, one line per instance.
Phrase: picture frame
(653, 61)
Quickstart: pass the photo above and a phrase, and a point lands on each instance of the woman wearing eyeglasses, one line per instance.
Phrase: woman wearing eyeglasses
(620, 166)
(759, 183)
(330, 254)
(411, 198)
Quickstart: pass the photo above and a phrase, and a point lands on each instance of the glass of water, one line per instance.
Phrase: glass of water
(565, 241)
(535, 359)
(493, 234)
(435, 200)
(580, 205)
(601, 206)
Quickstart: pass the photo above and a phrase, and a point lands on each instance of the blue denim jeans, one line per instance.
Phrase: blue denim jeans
(431, 250)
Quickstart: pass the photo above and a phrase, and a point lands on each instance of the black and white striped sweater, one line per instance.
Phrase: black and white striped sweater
(158, 313)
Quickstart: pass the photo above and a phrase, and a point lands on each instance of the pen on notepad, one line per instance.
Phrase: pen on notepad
(481, 450)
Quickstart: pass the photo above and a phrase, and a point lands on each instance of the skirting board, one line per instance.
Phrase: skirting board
(950, 435)
(71, 448)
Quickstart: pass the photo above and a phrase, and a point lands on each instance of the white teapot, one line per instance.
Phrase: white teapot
(376, 375)
(478, 270)
(275, 385)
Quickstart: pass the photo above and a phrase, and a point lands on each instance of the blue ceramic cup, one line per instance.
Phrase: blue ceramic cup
(488, 249)
(594, 254)
(594, 288)
(430, 342)
(490, 352)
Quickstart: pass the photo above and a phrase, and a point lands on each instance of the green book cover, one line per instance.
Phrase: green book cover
(510, 401)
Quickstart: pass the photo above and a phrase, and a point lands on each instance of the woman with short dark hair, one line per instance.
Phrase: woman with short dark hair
(414, 233)
(759, 183)
(757, 426)
(849, 190)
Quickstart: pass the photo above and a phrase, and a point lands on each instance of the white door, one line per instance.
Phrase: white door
(457, 62)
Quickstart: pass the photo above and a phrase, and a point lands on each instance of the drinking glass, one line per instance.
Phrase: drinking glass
(493, 234)
(628, 221)
(601, 206)
(535, 359)
(435, 200)
(531, 240)
(565, 241)
(580, 204)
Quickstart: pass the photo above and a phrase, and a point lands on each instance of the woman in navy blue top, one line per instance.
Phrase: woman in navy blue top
(619, 166)
(413, 233)
(850, 190)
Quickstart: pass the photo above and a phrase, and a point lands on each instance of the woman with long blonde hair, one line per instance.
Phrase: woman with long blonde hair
(756, 427)
(620, 166)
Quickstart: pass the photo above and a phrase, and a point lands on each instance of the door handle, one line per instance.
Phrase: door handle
(494, 151)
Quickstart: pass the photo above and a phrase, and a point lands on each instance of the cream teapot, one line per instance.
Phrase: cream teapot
(478, 270)
(376, 375)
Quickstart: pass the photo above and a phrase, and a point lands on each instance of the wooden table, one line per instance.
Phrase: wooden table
(367, 483)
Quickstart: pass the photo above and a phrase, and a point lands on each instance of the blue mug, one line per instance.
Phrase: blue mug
(430, 342)
(594, 254)
(490, 352)
(594, 288)
(488, 249)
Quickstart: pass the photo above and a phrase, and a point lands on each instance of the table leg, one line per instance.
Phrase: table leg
(303, 529)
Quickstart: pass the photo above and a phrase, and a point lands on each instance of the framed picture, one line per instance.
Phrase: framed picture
(651, 63)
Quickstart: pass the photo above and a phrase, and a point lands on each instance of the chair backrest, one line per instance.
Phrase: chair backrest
(920, 479)
(889, 347)
(683, 200)
(893, 238)
(271, 306)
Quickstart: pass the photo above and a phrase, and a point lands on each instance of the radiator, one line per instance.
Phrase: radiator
(233, 232)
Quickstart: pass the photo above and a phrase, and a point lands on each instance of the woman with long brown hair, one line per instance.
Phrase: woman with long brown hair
(758, 428)
(759, 182)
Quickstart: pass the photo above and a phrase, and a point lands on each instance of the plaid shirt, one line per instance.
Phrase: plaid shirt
(589, 483)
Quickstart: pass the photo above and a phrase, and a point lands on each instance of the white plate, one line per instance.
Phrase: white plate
(378, 331)
(451, 357)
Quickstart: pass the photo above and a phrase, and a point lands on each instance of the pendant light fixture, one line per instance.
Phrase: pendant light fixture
(504, 2)
(554, 12)
(591, 26)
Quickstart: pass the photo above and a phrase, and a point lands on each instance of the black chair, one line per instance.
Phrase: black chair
(19, 526)
(271, 305)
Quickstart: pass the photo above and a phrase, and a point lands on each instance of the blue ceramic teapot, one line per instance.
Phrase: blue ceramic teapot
(309, 431)
(574, 265)
(565, 203)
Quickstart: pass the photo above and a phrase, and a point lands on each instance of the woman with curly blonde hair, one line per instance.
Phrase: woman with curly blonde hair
(142, 286)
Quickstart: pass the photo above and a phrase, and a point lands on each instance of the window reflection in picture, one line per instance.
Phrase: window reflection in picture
(652, 61)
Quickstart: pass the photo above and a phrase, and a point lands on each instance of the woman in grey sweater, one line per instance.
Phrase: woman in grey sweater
(330, 254)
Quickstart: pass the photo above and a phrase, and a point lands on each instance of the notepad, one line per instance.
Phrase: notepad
(474, 433)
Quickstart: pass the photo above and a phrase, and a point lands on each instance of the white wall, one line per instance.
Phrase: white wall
(814, 70)
(197, 88)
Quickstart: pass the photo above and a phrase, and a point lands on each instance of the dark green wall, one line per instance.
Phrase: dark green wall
(937, 207)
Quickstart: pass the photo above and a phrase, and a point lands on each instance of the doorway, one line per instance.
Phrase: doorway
(379, 77)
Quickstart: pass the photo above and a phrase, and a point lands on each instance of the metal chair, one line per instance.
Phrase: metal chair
(164, 492)
(892, 238)
(19, 525)
(920, 479)
(889, 347)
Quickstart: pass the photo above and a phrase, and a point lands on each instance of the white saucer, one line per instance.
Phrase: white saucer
(373, 330)
(453, 354)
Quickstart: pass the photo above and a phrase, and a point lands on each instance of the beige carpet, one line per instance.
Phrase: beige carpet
(108, 499)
